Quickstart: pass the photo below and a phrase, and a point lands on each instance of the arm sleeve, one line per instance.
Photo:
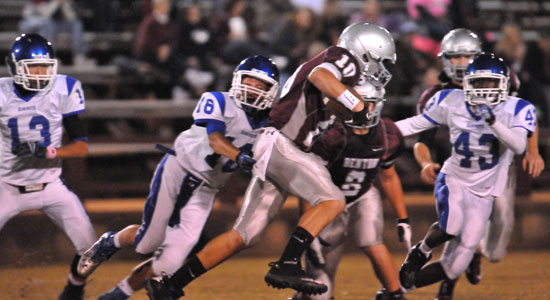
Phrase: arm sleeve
(211, 107)
(75, 129)
(415, 124)
(514, 138)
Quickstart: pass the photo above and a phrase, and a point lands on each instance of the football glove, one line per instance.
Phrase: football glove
(30, 148)
(359, 118)
(245, 161)
(404, 231)
(485, 112)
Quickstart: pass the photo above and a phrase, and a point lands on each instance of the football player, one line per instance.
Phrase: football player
(458, 47)
(286, 166)
(185, 183)
(356, 155)
(36, 104)
(487, 127)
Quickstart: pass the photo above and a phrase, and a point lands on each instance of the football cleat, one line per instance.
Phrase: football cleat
(100, 251)
(446, 289)
(290, 275)
(473, 272)
(160, 289)
(114, 294)
(72, 292)
(383, 294)
(412, 265)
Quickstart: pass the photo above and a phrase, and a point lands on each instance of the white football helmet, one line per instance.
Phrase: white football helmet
(459, 41)
(372, 46)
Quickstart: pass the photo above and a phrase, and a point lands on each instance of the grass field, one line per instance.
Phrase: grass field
(522, 275)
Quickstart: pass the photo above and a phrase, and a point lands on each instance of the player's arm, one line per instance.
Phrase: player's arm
(325, 80)
(221, 145)
(423, 156)
(78, 147)
(413, 125)
(391, 184)
(532, 160)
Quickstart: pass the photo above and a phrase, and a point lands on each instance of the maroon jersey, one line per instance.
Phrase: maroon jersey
(429, 92)
(354, 159)
(301, 114)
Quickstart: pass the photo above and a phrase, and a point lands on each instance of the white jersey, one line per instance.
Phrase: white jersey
(478, 159)
(192, 147)
(37, 118)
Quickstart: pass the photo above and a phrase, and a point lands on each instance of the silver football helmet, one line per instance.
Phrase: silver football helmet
(459, 41)
(373, 97)
(372, 46)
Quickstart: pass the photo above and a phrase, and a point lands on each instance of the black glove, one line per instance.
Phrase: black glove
(29, 148)
(245, 161)
(404, 232)
(359, 118)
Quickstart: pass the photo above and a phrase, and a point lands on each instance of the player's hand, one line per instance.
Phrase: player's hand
(533, 163)
(428, 174)
(404, 232)
(359, 118)
(245, 161)
(30, 148)
(314, 253)
(485, 112)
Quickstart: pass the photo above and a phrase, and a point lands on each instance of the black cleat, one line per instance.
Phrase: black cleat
(290, 275)
(162, 290)
(446, 289)
(412, 265)
(72, 292)
(473, 272)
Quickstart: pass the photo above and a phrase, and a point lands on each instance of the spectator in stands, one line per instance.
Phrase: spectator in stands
(293, 37)
(156, 39)
(332, 21)
(372, 12)
(513, 49)
(195, 50)
(50, 17)
(429, 16)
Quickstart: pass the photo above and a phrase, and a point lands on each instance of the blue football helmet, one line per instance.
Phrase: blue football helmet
(32, 50)
(373, 97)
(486, 80)
(261, 68)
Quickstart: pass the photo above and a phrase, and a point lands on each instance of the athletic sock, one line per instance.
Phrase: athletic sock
(298, 243)
(192, 269)
(424, 248)
(116, 239)
(125, 287)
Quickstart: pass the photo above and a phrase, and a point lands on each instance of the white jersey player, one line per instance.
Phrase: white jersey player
(185, 184)
(486, 128)
(35, 105)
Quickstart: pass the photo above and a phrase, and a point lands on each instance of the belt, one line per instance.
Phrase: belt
(23, 189)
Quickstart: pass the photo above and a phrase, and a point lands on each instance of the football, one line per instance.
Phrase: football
(338, 109)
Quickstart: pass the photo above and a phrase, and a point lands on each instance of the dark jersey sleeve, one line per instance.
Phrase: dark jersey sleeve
(395, 143)
(426, 96)
(75, 129)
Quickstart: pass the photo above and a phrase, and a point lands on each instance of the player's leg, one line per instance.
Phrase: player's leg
(11, 203)
(449, 196)
(262, 202)
(304, 175)
(65, 209)
(459, 251)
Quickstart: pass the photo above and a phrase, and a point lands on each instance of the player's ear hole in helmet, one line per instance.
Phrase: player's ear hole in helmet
(253, 73)
(486, 80)
(373, 47)
(31, 62)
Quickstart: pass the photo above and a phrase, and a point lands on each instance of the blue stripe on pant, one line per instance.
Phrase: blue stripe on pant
(441, 192)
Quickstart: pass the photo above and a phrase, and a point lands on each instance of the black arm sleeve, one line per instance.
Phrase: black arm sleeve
(74, 127)
(427, 137)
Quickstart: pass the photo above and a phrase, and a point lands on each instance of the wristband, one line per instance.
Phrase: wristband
(348, 99)
(51, 152)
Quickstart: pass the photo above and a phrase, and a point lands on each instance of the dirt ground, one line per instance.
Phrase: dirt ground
(522, 275)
